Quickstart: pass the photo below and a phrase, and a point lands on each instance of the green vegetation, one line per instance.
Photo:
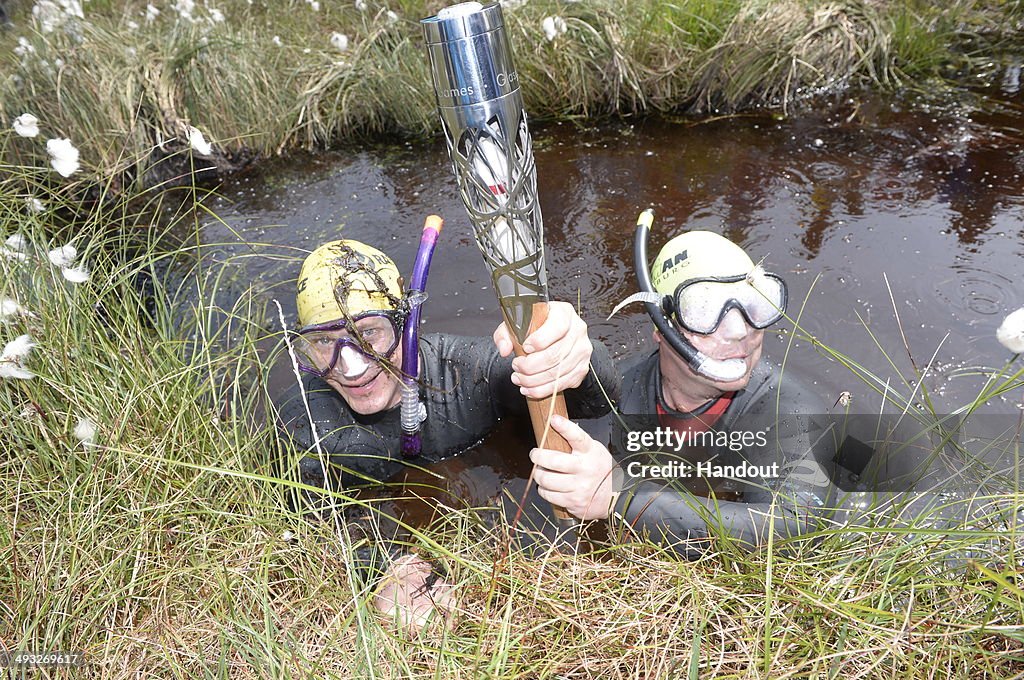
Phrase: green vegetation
(160, 545)
(263, 77)
(143, 521)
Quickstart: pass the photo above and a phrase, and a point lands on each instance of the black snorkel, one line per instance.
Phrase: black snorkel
(722, 371)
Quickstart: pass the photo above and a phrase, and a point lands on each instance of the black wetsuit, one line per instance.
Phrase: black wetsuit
(466, 387)
(780, 407)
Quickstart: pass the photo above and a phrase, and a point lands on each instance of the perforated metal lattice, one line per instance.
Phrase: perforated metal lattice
(497, 178)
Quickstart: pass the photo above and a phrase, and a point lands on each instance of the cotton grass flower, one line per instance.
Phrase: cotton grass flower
(361, 5)
(553, 27)
(78, 274)
(85, 432)
(24, 48)
(185, 8)
(34, 205)
(14, 248)
(11, 369)
(1010, 333)
(63, 256)
(26, 125)
(216, 16)
(13, 356)
(72, 8)
(63, 156)
(198, 142)
(47, 15)
(9, 309)
(51, 15)
(16, 242)
(392, 17)
(151, 13)
(339, 41)
(276, 40)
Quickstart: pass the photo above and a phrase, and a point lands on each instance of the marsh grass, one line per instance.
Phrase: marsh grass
(165, 547)
(266, 79)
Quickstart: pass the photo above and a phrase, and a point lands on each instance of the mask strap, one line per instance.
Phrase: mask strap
(643, 296)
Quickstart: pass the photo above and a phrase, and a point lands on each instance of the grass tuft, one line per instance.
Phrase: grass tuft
(266, 79)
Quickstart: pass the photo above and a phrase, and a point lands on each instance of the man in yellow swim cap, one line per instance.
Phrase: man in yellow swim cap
(351, 309)
(712, 442)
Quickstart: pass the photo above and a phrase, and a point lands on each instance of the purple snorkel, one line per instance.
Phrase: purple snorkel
(413, 411)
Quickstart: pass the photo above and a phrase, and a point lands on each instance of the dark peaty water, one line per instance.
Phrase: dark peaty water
(867, 210)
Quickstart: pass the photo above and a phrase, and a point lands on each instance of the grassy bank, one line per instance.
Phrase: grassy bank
(124, 82)
(142, 524)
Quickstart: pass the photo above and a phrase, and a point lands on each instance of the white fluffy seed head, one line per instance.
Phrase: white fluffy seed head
(85, 431)
(63, 256)
(198, 142)
(9, 369)
(26, 125)
(1010, 333)
(63, 156)
(78, 274)
(17, 350)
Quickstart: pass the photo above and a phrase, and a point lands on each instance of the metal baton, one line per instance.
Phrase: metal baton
(484, 122)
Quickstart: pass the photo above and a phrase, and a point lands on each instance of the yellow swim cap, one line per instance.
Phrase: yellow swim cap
(343, 279)
(697, 255)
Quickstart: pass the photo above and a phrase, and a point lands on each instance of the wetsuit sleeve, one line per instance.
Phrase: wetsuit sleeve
(599, 390)
(689, 524)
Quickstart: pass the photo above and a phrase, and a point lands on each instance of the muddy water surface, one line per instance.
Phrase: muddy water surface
(869, 209)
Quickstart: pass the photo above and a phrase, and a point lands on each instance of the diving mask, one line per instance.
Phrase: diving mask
(372, 336)
(699, 305)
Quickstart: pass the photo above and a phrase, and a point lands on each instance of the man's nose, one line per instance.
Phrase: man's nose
(352, 363)
(733, 327)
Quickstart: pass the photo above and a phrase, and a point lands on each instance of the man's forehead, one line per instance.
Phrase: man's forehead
(678, 260)
(344, 255)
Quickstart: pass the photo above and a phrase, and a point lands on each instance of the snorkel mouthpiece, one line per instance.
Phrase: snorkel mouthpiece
(715, 369)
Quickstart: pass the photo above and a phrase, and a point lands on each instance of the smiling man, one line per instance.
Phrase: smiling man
(740, 452)
(352, 309)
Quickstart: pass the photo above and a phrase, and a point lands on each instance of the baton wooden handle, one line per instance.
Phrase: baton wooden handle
(541, 410)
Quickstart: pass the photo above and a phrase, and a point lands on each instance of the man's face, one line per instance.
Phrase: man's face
(367, 386)
(357, 359)
(733, 339)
